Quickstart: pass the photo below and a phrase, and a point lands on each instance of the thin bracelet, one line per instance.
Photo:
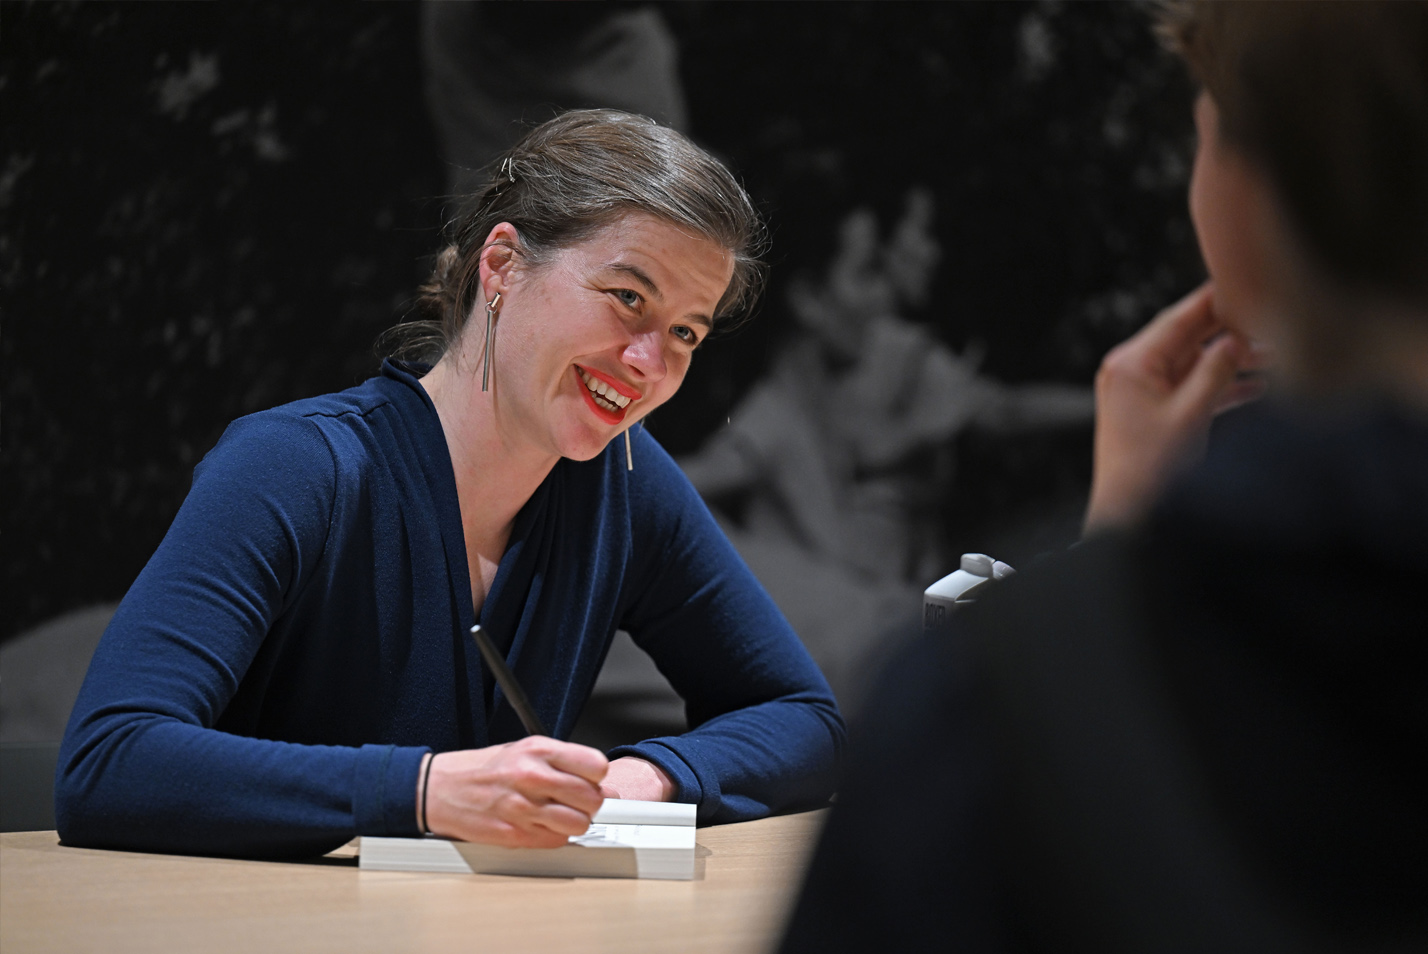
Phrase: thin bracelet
(425, 779)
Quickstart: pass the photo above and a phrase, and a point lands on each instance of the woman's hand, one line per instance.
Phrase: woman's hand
(534, 793)
(631, 777)
(1155, 396)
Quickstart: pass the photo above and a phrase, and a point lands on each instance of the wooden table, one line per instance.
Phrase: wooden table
(54, 898)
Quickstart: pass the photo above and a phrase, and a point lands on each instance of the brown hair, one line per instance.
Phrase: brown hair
(563, 182)
(1330, 101)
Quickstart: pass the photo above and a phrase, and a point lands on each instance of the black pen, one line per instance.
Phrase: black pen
(507, 681)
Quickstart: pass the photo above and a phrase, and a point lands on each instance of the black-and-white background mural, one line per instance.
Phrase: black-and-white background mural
(206, 210)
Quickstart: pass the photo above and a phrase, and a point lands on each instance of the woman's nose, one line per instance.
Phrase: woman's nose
(645, 355)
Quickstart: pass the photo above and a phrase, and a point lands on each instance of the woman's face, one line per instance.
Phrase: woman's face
(1231, 210)
(602, 333)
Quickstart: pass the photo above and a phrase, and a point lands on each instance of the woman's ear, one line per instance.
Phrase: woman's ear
(498, 259)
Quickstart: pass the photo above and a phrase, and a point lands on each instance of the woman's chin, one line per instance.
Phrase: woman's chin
(584, 446)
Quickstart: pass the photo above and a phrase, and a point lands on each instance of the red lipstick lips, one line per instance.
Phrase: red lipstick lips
(605, 414)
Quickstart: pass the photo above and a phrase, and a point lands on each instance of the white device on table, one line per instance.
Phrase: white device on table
(940, 600)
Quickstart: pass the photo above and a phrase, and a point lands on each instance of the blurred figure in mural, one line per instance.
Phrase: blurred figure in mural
(835, 462)
(494, 70)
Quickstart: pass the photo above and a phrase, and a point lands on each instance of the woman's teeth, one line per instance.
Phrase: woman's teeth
(604, 395)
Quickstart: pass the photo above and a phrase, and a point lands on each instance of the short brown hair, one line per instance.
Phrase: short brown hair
(563, 182)
(1330, 100)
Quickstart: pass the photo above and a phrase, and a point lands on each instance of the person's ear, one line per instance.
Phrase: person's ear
(498, 259)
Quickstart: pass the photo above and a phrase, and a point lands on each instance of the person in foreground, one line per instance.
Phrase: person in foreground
(293, 667)
(1203, 729)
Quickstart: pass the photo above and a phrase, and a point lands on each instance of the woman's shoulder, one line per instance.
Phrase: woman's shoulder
(357, 402)
(321, 434)
(380, 405)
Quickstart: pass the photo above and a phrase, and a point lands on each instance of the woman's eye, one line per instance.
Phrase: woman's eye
(686, 334)
(628, 297)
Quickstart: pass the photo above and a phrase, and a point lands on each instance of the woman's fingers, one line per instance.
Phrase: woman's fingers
(535, 792)
(1155, 396)
(1210, 379)
(1172, 340)
(547, 770)
(1247, 386)
(523, 825)
(540, 819)
(561, 772)
(580, 760)
(560, 820)
(632, 777)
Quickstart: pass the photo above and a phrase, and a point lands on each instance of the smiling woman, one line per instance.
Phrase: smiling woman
(591, 340)
(291, 668)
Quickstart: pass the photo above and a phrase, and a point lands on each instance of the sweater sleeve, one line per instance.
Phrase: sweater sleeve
(142, 766)
(765, 732)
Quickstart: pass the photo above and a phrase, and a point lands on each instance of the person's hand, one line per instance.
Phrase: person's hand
(631, 777)
(1155, 396)
(534, 793)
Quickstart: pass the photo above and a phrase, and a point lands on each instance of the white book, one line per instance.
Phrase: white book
(627, 839)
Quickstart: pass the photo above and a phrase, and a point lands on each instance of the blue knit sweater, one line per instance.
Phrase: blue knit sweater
(270, 683)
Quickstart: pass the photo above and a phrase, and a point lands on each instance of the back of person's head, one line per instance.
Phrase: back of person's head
(567, 179)
(1330, 101)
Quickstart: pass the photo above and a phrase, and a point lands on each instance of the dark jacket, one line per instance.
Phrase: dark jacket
(1210, 735)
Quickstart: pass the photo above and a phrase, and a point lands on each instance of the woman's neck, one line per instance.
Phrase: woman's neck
(1354, 346)
(495, 475)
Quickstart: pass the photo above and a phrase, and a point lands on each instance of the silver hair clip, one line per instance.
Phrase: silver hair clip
(508, 168)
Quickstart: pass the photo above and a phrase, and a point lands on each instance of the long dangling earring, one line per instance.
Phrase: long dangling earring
(629, 454)
(491, 307)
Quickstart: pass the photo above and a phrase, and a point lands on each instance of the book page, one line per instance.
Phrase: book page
(635, 836)
(628, 811)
